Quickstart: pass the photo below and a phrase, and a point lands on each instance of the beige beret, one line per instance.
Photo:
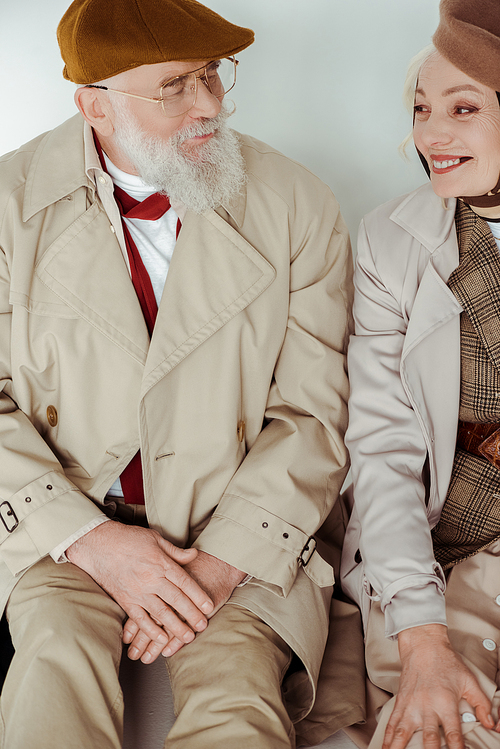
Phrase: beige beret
(468, 36)
(101, 38)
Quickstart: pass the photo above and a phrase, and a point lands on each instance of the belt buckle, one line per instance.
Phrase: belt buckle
(490, 449)
(302, 560)
(9, 513)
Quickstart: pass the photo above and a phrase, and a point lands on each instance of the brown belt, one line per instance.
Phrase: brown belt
(480, 439)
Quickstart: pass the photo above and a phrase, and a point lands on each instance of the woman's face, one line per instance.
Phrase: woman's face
(457, 129)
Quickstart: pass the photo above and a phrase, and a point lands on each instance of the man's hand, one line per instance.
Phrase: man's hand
(144, 574)
(214, 576)
(433, 680)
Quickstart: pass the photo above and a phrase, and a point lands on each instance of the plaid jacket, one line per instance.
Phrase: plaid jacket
(470, 519)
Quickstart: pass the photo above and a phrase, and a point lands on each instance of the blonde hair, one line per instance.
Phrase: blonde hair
(410, 85)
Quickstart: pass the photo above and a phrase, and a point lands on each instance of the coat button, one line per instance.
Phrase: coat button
(489, 644)
(497, 600)
(468, 718)
(241, 431)
(52, 416)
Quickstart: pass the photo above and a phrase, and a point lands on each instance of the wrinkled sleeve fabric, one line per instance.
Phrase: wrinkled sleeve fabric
(388, 454)
(291, 476)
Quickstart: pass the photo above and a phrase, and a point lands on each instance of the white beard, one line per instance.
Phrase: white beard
(205, 177)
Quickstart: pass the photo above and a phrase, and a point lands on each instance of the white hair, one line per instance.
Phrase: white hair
(410, 84)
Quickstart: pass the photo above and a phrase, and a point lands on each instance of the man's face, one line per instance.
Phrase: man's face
(147, 80)
(195, 158)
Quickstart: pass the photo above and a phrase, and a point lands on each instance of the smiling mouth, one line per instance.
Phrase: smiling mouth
(443, 164)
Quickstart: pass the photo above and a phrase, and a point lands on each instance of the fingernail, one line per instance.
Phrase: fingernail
(490, 720)
(188, 637)
(202, 624)
(146, 658)
(207, 608)
(162, 639)
(167, 652)
(133, 653)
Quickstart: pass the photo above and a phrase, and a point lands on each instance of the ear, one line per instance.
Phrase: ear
(96, 109)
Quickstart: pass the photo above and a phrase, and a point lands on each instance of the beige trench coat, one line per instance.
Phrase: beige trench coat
(404, 365)
(238, 403)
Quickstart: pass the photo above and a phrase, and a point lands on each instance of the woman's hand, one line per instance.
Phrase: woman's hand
(433, 681)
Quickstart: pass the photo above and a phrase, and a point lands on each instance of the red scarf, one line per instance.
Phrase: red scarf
(150, 209)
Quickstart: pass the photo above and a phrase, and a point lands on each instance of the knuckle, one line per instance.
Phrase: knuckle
(161, 613)
(154, 650)
(168, 617)
(431, 737)
(141, 618)
(141, 639)
(149, 579)
(145, 625)
(400, 732)
(175, 597)
(169, 562)
(454, 737)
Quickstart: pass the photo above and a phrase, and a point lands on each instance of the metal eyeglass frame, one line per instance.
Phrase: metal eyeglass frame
(203, 77)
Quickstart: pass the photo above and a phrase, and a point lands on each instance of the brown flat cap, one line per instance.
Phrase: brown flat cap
(101, 38)
(468, 36)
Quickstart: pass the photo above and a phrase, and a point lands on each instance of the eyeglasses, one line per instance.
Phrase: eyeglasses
(178, 95)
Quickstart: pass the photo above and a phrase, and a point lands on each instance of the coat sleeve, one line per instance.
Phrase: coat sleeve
(388, 454)
(291, 476)
(39, 506)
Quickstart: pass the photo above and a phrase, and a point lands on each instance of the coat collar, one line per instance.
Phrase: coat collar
(66, 167)
(423, 216)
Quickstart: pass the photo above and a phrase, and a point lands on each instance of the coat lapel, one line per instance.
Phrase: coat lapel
(434, 306)
(476, 280)
(423, 217)
(214, 275)
(85, 268)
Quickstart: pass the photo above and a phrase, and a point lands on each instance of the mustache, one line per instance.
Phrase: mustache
(203, 126)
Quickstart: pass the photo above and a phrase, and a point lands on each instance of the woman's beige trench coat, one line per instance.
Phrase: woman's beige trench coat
(404, 365)
(237, 403)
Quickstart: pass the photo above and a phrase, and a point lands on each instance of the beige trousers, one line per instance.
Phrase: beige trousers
(473, 613)
(62, 688)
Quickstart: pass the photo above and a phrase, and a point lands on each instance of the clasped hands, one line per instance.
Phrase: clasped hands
(168, 593)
